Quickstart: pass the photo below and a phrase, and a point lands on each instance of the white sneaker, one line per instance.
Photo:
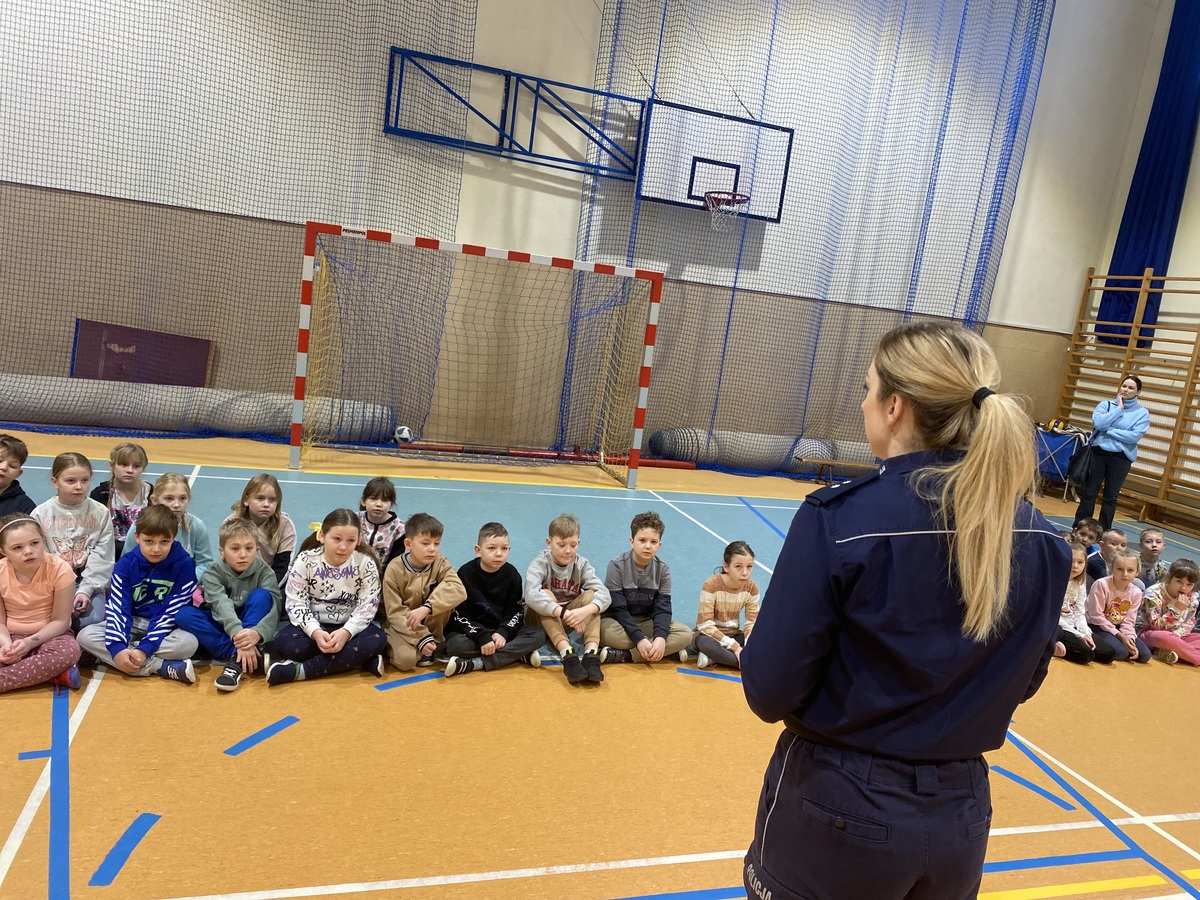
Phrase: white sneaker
(702, 661)
(533, 660)
(683, 656)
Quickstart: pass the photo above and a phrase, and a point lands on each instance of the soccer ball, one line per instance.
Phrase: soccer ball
(403, 434)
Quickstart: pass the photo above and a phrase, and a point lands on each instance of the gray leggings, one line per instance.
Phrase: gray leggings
(718, 654)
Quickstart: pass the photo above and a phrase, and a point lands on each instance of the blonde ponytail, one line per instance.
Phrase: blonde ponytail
(939, 368)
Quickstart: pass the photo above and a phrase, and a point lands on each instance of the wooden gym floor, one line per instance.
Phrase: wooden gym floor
(513, 784)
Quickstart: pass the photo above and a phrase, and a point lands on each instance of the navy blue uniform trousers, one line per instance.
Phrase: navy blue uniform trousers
(836, 824)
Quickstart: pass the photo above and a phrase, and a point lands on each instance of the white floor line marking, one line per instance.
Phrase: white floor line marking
(352, 481)
(769, 571)
(15, 838)
(469, 878)
(192, 477)
(1092, 823)
(1139, 819)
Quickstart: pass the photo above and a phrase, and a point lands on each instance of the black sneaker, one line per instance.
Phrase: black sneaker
(230, 677)
(374, 665)
(613, 655)
(426, 661)
(456, 665)
(573, 668)
(283, 672)
(591, 665)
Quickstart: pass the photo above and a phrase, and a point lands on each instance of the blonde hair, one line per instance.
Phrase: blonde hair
(564, 526)
(122, 454)
(938, 368)
(270, 527)
(1077, 547)
(164, 481)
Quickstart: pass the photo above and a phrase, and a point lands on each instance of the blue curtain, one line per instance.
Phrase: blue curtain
(1151, 215)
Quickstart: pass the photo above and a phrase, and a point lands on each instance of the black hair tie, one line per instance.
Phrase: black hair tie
(980, 395)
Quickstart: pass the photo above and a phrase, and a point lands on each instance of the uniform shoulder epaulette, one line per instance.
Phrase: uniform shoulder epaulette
(827, 495)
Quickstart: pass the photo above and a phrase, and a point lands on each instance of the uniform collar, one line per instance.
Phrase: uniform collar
(910, 462)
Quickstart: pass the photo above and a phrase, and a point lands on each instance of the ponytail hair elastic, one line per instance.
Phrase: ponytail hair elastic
(980, 395)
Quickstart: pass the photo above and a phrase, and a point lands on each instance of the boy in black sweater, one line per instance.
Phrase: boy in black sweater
(487, 630)
(13, 454)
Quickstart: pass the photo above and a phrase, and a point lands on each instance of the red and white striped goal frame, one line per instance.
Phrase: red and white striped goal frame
(558, 262)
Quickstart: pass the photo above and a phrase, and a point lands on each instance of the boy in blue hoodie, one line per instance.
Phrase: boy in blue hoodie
(150, 584)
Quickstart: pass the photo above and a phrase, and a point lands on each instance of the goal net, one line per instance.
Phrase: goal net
(463, 350)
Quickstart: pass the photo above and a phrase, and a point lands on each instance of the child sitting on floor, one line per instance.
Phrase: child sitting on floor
(1112, 609)
(487, 631)
(124, 493)
(242, 603)
(1168, 615)
(1151, 569)
(640, 586)
(150, 584)
(1075, 641)
(79, 530)
(563, 590)
(36, 591)
(420, 589)
(383, 530)
(332, 594)
(720, 634)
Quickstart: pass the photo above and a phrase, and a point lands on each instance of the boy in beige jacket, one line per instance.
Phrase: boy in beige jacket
(420, 588)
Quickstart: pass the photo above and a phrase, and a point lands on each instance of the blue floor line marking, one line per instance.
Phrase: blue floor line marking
(1103, 819)
(59, 880)
(1040, 791)
(704, 674)
(1053, 862)
(412, 679)
(261, 735)
(729, 893)
(33, 754)
(108, 870)
(770, 524)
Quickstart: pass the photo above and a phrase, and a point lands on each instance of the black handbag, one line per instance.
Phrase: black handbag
(1081, 461)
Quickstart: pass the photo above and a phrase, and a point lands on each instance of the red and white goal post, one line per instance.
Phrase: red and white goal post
(410, 345)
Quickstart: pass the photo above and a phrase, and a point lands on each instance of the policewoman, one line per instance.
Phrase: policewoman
(909, 613)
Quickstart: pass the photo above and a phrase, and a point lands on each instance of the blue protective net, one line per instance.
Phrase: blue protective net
(909, 123)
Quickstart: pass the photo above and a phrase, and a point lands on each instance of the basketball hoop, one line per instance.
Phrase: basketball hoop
(725, 206)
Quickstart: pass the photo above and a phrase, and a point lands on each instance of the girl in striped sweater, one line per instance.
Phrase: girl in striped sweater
(720, 634)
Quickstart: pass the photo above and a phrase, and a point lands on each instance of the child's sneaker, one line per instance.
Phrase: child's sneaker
(591, 665)
(375, 665)
(178, 670)
(68, 679)
(533, 660)
(456, 665)
(425, 661)
(702, 661)
(230, 677)
(1170, 657)
(284, 672)
(573, 668)
(682, 656)
(613, 655)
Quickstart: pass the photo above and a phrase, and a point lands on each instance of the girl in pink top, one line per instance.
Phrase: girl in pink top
(1112, 608)
(1168, 615)
(37, 590)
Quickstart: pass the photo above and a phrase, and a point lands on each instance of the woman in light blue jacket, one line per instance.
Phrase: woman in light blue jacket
(1119, 425)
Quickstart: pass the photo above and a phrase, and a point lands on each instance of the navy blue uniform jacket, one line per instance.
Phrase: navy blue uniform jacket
(859, 642)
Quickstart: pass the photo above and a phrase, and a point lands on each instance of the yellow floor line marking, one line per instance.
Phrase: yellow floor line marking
(1070, 890)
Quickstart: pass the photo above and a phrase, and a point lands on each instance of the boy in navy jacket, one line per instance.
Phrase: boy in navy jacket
(150, 584)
